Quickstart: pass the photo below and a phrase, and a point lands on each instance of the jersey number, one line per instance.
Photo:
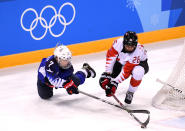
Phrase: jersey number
(136, 59)
(49, 70)
(51, 63)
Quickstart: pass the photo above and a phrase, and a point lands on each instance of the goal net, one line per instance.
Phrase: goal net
(172, 94)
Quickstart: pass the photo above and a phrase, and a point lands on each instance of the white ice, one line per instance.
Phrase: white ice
(21, 108)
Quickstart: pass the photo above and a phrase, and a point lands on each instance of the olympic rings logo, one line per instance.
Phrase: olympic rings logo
(44, 23)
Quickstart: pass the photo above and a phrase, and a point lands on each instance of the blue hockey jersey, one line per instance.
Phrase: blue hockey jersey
(50, 73)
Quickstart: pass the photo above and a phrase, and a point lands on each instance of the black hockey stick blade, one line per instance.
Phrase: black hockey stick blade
(131, 112)
(143, 125)
(138, 111)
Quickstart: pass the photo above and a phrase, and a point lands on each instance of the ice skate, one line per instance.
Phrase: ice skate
(129, 97)
(90, 71)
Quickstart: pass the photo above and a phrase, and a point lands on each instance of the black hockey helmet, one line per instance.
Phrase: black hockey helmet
(130, 38)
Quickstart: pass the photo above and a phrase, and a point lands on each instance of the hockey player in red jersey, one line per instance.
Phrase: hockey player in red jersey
(125, 58)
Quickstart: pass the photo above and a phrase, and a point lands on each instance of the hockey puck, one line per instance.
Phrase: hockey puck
(143, 126)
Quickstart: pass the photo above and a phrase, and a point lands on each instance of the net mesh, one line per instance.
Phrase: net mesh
(172, 94)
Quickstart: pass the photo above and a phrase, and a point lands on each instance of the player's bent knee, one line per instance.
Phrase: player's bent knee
(45, 94)
(138, 72)
(44, 91)
(78, 78)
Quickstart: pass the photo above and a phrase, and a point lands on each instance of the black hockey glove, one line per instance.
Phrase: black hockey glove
(111, 88)
(104, 79)
(71, 85)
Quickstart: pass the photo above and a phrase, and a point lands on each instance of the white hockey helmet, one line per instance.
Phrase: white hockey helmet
(63, 53)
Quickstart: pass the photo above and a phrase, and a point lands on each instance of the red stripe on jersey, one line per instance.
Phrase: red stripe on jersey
(122, 78)
(108, 59)
(111, 52)
(52, 86)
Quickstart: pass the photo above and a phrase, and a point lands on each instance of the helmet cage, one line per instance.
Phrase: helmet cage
(130, 39)
(63, 53)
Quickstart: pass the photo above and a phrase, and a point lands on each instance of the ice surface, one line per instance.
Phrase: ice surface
(21, 109)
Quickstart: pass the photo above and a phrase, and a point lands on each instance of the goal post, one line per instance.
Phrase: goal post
(172, 93)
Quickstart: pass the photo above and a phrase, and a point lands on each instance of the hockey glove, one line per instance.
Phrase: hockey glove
(111, 88)
(104, 79)
(71, 87)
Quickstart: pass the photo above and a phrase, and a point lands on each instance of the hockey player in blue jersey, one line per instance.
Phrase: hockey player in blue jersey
(57, 71)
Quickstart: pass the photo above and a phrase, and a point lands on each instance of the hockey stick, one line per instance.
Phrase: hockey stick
(143, 125)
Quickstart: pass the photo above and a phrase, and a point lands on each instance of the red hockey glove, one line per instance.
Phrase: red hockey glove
(104, 79)
(71, 87)
(111, 88)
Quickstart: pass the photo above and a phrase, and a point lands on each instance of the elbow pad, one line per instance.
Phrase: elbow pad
(144, 64)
